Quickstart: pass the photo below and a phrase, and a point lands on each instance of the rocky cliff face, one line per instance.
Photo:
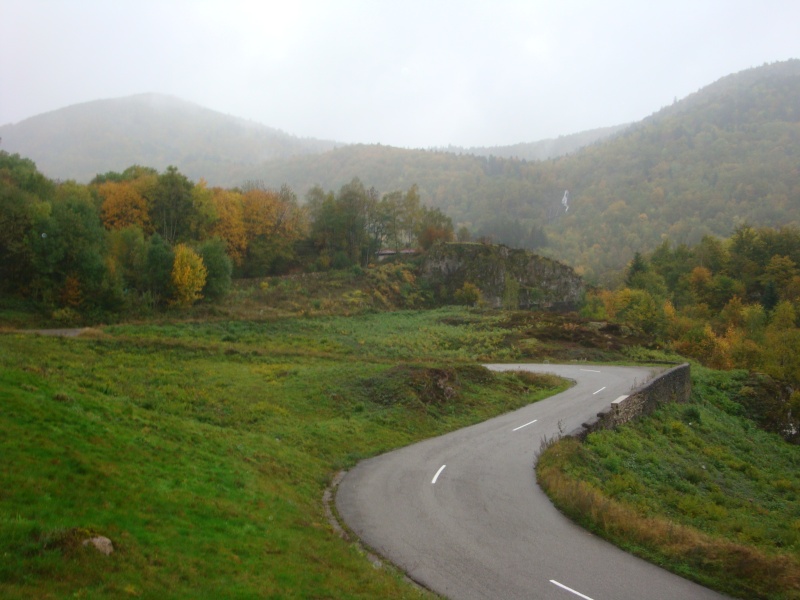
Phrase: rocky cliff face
(506, 277)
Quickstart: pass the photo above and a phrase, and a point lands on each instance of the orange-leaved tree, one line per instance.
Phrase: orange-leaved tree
(229, 225)
(273, 222)
(123, 205)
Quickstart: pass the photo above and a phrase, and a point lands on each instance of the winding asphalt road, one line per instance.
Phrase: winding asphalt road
(462, 515)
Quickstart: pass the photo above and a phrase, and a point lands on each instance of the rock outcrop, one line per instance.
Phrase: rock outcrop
(506, 277)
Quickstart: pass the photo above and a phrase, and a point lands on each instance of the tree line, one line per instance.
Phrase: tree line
(140, 238)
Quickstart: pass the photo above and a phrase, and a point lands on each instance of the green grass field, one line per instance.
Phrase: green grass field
(202, 450)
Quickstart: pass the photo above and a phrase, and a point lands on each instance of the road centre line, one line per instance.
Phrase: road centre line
(439, 472)
(590, 370)
(526, 424)
(598, 391)
(561, 585)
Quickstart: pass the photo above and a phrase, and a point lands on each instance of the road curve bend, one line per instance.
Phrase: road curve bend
(462, 514)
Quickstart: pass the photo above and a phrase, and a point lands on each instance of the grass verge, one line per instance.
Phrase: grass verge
(695, 488)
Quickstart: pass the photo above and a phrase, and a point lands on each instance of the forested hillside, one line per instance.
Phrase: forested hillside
(729, 303)
(80, 141)
(542, 149)
(725, 155)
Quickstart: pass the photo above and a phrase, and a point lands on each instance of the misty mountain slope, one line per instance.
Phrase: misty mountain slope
(726, 155)
(544, 149)
(79, 141)
(440, 172)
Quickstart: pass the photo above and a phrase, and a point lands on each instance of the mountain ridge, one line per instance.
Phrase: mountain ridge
(157, 130)
(724, 156)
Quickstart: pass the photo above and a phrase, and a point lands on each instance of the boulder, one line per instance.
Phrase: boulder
(103, 544)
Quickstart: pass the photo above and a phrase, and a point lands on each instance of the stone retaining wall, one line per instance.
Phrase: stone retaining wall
(673, 385)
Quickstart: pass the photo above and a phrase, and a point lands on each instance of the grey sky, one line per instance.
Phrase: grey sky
(404, 73)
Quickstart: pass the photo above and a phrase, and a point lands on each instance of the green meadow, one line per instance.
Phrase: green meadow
(202, 450)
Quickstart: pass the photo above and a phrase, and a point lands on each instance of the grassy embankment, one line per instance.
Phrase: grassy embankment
(202, 450)
(695, 488)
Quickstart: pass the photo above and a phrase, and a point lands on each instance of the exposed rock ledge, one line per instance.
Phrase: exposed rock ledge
(506, 277)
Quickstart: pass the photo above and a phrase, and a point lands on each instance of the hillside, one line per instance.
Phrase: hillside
(80, 141)
(723, 156)
(154, 130)
(225, 432)
(543, 149)
(704, 165)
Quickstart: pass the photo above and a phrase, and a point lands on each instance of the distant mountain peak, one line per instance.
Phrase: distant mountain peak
(153, 129)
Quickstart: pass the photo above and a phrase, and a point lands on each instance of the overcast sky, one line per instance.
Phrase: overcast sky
(403, 73)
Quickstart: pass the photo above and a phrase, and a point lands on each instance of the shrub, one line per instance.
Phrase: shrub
(219, 267)
(188, 276)
(469, 294)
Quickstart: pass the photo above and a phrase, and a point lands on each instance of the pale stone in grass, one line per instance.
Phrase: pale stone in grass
(103, 544)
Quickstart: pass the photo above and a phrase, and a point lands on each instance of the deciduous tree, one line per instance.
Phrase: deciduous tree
(123, 206)
(127, 251)
(219, 268)
(273, 222)
(188, 276)
(171, 206)
(434, 226)
(204, 211)
(68, 241)
(17, 214)
(229, 225)
(158, 272)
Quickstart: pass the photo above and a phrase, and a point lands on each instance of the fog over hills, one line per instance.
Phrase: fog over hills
(542, 149)
(722, 157)
(154, 130)
(704, 165)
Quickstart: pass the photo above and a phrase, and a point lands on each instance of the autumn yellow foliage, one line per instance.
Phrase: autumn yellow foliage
(188, 276)
(230, 223)
(123, 206)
